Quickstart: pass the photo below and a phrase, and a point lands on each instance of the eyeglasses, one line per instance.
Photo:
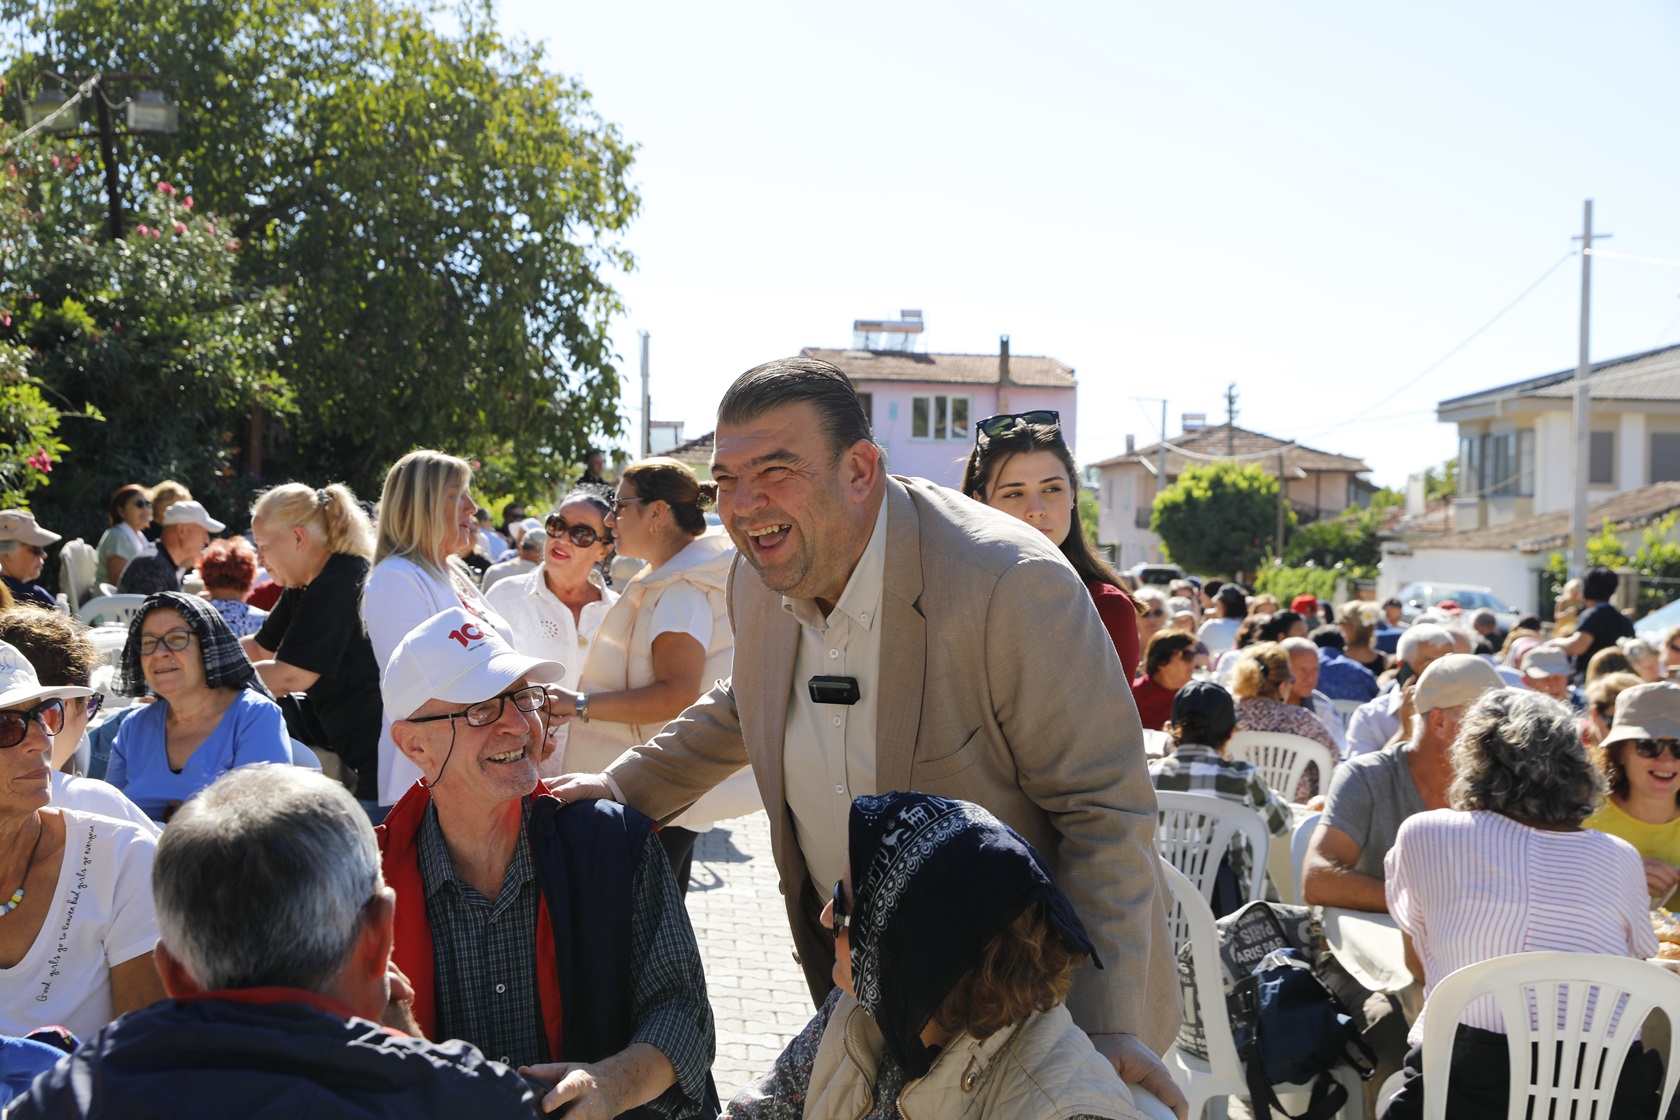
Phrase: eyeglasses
(93, 703)
(14, 726)
(1644, 748)
(581, 535)
(174, 640)
(619, 504)
(842, 920)
(1672, 648)
(143, 503)
(993, 426)
(486, 712)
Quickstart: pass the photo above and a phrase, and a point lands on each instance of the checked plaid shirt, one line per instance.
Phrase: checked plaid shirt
(485, 963)
(1193, 767)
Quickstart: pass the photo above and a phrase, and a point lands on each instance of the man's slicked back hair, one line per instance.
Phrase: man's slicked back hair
(792, 380)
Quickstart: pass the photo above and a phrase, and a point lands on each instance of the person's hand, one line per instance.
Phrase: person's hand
(1407, 692)
(562, 702)
(575, 1084)
(1137, 1064)
(580, 787)
(1660, 878)
(399, 1007)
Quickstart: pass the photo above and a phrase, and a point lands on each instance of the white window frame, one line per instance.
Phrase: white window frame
(931, 403)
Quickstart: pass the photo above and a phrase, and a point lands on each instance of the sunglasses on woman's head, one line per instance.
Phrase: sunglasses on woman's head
(14, 726)
(1653, 748)
(994, 426)
(581, 535)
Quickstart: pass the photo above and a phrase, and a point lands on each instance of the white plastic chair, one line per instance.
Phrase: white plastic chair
(1193, 832)
(1573, 1046)
(1282, 759)
(1298, 854)
(110, 610)
(1345, 709)
(76, 571)
(1208, 1082)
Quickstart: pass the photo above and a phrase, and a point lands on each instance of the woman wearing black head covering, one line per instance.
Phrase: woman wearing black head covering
(211, 714)
(954, 951)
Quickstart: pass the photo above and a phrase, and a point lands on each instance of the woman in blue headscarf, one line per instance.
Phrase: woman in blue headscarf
(954, 952)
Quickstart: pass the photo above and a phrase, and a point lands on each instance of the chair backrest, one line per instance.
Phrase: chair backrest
(1191, 919)
(1156, 744)
(1298, 854)
(1282, 758)
(109, 610)
(1345, 709)
(76, 564)
(1571, 1050)
(1193, 832)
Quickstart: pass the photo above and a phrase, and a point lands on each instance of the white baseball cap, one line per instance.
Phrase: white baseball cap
(19, 525)
(455, 657)
(1544, 661)
(191, 513)
(20, 686)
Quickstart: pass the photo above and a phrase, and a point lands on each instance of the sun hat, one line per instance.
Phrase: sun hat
(19, 525)
(20, 686)
(1455, 679)
(1647, 711)
(456, 657)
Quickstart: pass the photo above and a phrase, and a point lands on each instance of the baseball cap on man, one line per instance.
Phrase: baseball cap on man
(1544, 660)
(1455, 679)
(191, 513)
(19, 525)
(19, 686)
(455, 657)
(1647, 711)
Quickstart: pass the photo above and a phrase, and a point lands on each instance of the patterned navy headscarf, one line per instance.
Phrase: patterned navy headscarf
(933, 881)
(225, 663)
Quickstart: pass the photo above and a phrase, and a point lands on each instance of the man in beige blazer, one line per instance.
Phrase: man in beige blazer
(986, 669)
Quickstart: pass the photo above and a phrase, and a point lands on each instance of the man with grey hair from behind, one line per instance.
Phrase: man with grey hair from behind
(275, 948)
(1387, 718)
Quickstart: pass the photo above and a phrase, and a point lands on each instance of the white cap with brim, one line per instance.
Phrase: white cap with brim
(455, 657)
(191, 513)
(1545, 661)
(21, 688)
(19, 525)
(1455, 679)
(1646, 711)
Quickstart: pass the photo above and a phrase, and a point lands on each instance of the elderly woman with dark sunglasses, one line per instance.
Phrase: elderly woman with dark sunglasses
(76, 920)
(212, 712)
(663, 643)
(1640, 756)
(554, 611)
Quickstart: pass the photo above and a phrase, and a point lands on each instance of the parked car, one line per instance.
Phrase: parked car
(1415, 598)
(1155, 575)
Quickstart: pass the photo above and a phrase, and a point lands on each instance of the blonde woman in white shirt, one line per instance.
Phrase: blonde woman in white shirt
(664, 642)
(555, 610)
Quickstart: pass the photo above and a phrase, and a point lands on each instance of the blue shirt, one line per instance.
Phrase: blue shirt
(1387, 639)
(251, 730)
(1340, 677)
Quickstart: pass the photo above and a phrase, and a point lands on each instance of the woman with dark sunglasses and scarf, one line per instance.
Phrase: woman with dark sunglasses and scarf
(1021, 465)
(554, 611)
(211, 712)
(663, 643)
(1640, 757)
(954, 953)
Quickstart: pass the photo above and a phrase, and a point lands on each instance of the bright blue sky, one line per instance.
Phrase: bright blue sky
(1313, 200)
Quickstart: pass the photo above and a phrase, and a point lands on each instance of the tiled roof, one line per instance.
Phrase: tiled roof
(694, 452)
(1243, 444)
(955, 369)
(1631, 509)
(1653, 375)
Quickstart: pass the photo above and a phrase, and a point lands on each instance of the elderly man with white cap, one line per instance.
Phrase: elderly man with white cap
(608, 998)
(1545, 669)
(23, 553)
(187, 529)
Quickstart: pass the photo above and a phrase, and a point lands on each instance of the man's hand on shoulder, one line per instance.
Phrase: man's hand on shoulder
(1138, 1065)
(581, 787)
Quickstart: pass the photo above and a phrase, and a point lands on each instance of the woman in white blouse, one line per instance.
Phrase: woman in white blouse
(555, 610)
(131, 513)
(425, 520)
(1509, 869)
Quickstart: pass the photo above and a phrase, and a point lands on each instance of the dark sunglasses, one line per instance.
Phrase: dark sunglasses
(14, 726)
(993, 426)
(581, 535)
(1644, 748)
(486, 712)
(34, 549)
(94, 703)
(842, 919)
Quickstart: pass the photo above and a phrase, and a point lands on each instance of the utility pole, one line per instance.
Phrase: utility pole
(1231, 420)
(108, 156)
(1583, 406)
(1161, 469)
(1282, 519)
(647, 402)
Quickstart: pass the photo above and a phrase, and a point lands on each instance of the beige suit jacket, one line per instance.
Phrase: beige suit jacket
(999, 686)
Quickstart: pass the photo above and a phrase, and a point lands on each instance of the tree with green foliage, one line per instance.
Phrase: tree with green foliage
(1218, 518)
(440, 211)
(1440, 483)
(155, 330)
(1350, 539)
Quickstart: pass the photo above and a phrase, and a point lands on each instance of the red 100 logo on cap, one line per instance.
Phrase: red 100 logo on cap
(467, 633)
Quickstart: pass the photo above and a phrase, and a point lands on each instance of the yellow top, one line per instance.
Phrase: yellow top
(1652, 841)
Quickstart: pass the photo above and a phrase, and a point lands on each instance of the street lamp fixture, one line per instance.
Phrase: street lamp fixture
(150, 111)
(46, 103)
